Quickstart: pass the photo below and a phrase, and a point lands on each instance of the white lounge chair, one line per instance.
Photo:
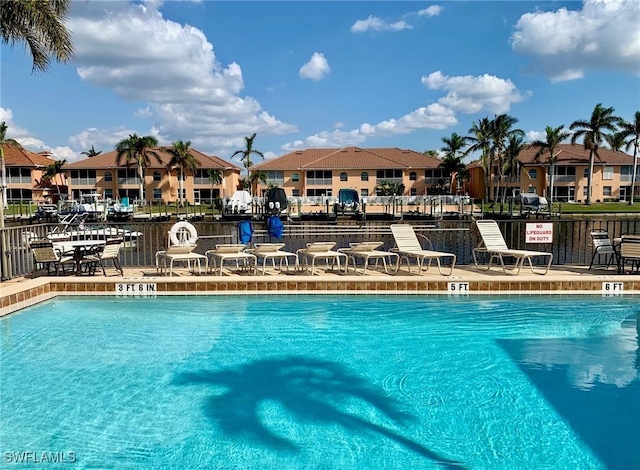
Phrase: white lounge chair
(368, 251)
(182, 243)
(408, 247)
(273, 252)
(319, 251)
(493, 243)
(231, 252)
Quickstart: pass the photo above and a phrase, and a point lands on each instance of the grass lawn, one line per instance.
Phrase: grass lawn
(596, 208)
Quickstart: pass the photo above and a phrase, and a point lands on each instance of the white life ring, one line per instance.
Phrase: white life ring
(183, 233)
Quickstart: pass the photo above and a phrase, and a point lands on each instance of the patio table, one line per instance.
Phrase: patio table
(79, 249)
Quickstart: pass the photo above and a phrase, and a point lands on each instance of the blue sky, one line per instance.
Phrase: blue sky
(321, 74)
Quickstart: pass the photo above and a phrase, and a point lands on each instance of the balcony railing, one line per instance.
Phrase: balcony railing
(128, 181)
(18, 179)
(564, 179)
(319, 181)
(83, 181)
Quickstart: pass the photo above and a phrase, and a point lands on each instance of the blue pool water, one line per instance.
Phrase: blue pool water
(325, 382)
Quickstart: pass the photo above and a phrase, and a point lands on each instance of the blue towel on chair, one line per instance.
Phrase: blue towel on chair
(275, 227)
(245, 231)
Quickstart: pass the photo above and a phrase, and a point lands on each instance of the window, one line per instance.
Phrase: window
(274, 177)
(413, 176)
(156, 176)
(436, 173)
(606, 191)
(533, 174)
(531, 190)
(343, 176)
(389, 174)
(157, 193)
(108, 193)
(607, 173)
(585, 190)
(364, 176)
(364, 192)
(414, 192)
(586, 173)
(319, 192)
(295, 177)
(108, 176)
(295, 193)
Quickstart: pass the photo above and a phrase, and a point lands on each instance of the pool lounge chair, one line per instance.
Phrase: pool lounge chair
(629, 253)
(231, 252)
(368, 251)
(182, 243)
(319, 251)
(602, 245)
(493, 243)
(273, 252)
(408, 246)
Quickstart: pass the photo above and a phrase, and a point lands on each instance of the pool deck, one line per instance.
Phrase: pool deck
(20, 293)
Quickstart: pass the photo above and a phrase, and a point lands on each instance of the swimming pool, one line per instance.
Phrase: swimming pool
(324, 382)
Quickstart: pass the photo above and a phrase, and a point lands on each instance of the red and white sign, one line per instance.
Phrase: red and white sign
(539, 232)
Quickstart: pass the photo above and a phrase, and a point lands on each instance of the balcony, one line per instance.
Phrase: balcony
(319, 182)
(83, 181)
(122, 181)
(564, 179)
(18, 179)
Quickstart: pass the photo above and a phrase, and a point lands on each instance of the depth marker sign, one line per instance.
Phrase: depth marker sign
(539, 232)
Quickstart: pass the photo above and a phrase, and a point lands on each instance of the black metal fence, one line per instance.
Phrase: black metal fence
(571, 238)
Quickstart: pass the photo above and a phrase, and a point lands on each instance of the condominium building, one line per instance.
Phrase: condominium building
(24, 170)
(611, 179)
(323, 171)
(101, 174)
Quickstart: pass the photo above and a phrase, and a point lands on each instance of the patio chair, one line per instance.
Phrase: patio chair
(408, 246)
(273, 252)
(602, 245)
(231, 252)
(110, 251)
(319, 251)
(630, 253)
(368, 251)
(182, 243)
(493, 243)
(45, 255)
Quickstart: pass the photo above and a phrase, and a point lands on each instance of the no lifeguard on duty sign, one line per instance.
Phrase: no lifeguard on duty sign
(539, 232)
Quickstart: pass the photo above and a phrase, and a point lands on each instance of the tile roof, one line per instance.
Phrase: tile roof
(570, 155)
(108, 160)
(350, 158)
(14, 156)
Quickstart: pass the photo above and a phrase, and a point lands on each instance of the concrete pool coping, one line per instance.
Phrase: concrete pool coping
(21, 293)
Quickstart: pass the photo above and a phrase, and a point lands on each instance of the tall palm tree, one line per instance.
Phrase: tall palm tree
(480, 140)
(554, 136)
(615, 141)
(501, 133)
(592, 133)
(452, 161)
(91, 152)
(511, 165)
(3, 172)
(631, 131)
(247, 152)
(136, 150)
(40, 26)
(183, 160)
(255, 178)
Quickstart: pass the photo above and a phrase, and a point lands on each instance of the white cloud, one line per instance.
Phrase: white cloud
(434, 116)
(172, 69)
(433, 10)
(604, 34)
(536, 135)
(469, 94)
(316, 69)
(377, 24)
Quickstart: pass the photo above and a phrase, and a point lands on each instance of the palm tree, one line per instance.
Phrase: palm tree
(452, 162)
(511, 165)
(40, 25)
(553, 138)
(136, 150)
(631, 131)
(592, 133)
(387, 188)
(91, 152)
(183, 161)
(51, 173)
(480, 139)
(255, 178)
(501, 134)
(215, 177)
(615, 141)
(247, 152)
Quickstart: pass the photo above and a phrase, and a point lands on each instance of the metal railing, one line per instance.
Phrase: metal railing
(571, 238)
